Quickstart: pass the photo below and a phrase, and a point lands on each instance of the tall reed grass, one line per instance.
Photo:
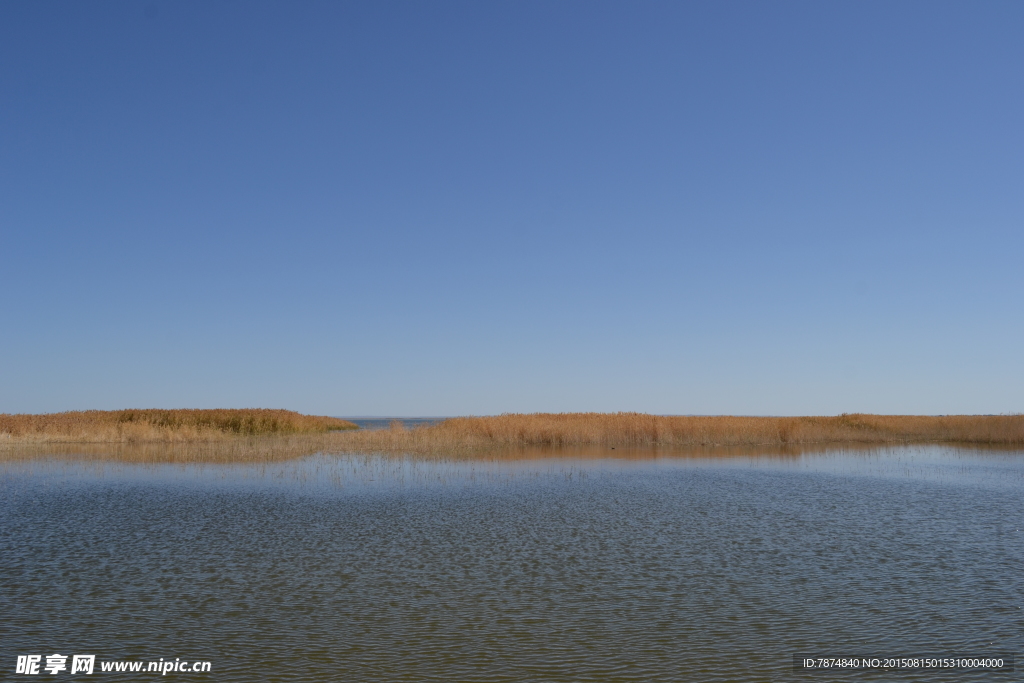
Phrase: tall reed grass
(118, 426)
(642, 430)
(516, 431)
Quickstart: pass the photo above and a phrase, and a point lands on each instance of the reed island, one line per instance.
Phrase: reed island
(139, 426)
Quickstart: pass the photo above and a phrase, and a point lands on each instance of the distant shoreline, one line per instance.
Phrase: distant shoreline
(155, 425)
(509, 430)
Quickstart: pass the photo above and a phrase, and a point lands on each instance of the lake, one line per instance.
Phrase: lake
(594, 565)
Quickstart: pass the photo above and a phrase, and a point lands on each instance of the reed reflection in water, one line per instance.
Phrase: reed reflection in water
(571, 565)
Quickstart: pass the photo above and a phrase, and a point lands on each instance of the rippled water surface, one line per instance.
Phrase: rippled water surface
(596, 567)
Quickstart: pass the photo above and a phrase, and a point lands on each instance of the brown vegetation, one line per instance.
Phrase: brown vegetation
(640, 430)
(125, 426)
(262, 431)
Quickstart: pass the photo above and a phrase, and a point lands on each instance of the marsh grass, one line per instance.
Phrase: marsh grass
(245, 436)
(639, 430)
(137, 426)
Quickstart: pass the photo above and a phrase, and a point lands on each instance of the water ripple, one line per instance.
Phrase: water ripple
(586, 570)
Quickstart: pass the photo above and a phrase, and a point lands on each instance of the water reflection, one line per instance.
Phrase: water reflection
(300, 463)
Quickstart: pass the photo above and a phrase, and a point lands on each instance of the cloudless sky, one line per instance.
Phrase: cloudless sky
(436, 208)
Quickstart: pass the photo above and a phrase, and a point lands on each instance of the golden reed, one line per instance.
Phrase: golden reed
(508, 431)
(129, 426)
(641, 430)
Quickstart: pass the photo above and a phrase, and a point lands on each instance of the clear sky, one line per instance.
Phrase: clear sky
(434, 208)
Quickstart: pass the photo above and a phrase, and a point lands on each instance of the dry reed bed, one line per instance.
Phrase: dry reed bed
(136, 426)
(262, 431)
(641, 430)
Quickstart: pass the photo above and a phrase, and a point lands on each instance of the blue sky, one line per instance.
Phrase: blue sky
(475, 208)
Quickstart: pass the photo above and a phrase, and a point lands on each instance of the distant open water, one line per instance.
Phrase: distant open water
(385, 422)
